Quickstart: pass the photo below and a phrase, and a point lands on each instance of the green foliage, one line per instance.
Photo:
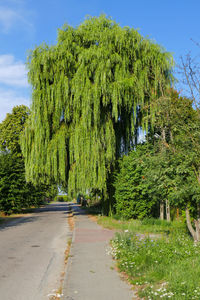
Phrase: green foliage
(11, 128)
(85, 91)
(131, 190)
(60, 198)
(50, 190)
(15, 193)
(186, 189)
(154, 221)
(10, 182)
(159, 175)
(167, 167)
(145, 226)
(161, 268)
(63, 198)
(175, 165)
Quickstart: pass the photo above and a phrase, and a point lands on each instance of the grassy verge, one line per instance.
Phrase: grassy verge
(145, 226)
(159, 258)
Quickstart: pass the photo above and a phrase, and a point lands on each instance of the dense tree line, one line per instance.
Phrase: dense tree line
(15, 193)
(164, 172)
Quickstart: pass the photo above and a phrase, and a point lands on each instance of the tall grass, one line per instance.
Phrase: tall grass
(143, 226)
(162, 267)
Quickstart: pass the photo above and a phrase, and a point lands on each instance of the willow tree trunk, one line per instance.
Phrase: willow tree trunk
(162, 210)
(168, 210)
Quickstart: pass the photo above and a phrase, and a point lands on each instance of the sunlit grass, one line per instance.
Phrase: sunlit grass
(163, 268)
(159, 257)
(142, 226)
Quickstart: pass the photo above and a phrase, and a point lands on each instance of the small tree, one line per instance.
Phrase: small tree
(190, 71)
(177, 127)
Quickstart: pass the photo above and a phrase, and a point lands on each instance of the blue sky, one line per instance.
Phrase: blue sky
(27, 23)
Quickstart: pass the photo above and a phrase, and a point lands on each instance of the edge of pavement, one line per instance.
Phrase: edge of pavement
(70, 254)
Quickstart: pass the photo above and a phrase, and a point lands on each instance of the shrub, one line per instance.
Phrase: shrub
(63, 198)
(131, 191)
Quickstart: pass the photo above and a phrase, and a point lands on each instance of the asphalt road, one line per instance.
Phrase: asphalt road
(32, 253)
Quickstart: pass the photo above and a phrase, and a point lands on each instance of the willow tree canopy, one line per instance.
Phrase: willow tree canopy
(85, 92)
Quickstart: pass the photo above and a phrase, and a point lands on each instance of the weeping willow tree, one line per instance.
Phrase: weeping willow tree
(86, 92)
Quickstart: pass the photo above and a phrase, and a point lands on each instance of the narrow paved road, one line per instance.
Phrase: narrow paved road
(32, 253)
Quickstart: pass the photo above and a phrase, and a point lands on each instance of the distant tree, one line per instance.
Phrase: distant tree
(12, 127)
(87, 90)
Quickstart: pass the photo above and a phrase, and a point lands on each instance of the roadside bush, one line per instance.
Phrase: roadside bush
(15, 193)
(162, 268)
(63, 198)
(67, 198)
(131, 191)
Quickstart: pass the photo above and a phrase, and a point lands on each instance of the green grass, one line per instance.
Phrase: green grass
(160, 258)
(145, 226)
(162, 268)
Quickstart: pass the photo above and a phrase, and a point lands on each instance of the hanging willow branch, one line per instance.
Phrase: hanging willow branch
(86, 91)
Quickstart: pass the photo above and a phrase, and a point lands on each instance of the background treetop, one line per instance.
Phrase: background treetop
(11, 128)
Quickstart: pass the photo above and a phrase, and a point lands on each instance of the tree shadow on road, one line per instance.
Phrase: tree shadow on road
(78, 210)
(16, 222)
(38, 213)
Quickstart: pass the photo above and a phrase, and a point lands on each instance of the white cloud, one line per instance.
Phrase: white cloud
(13, 84)
(12, 72)
(9, 18)
(9, 99)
